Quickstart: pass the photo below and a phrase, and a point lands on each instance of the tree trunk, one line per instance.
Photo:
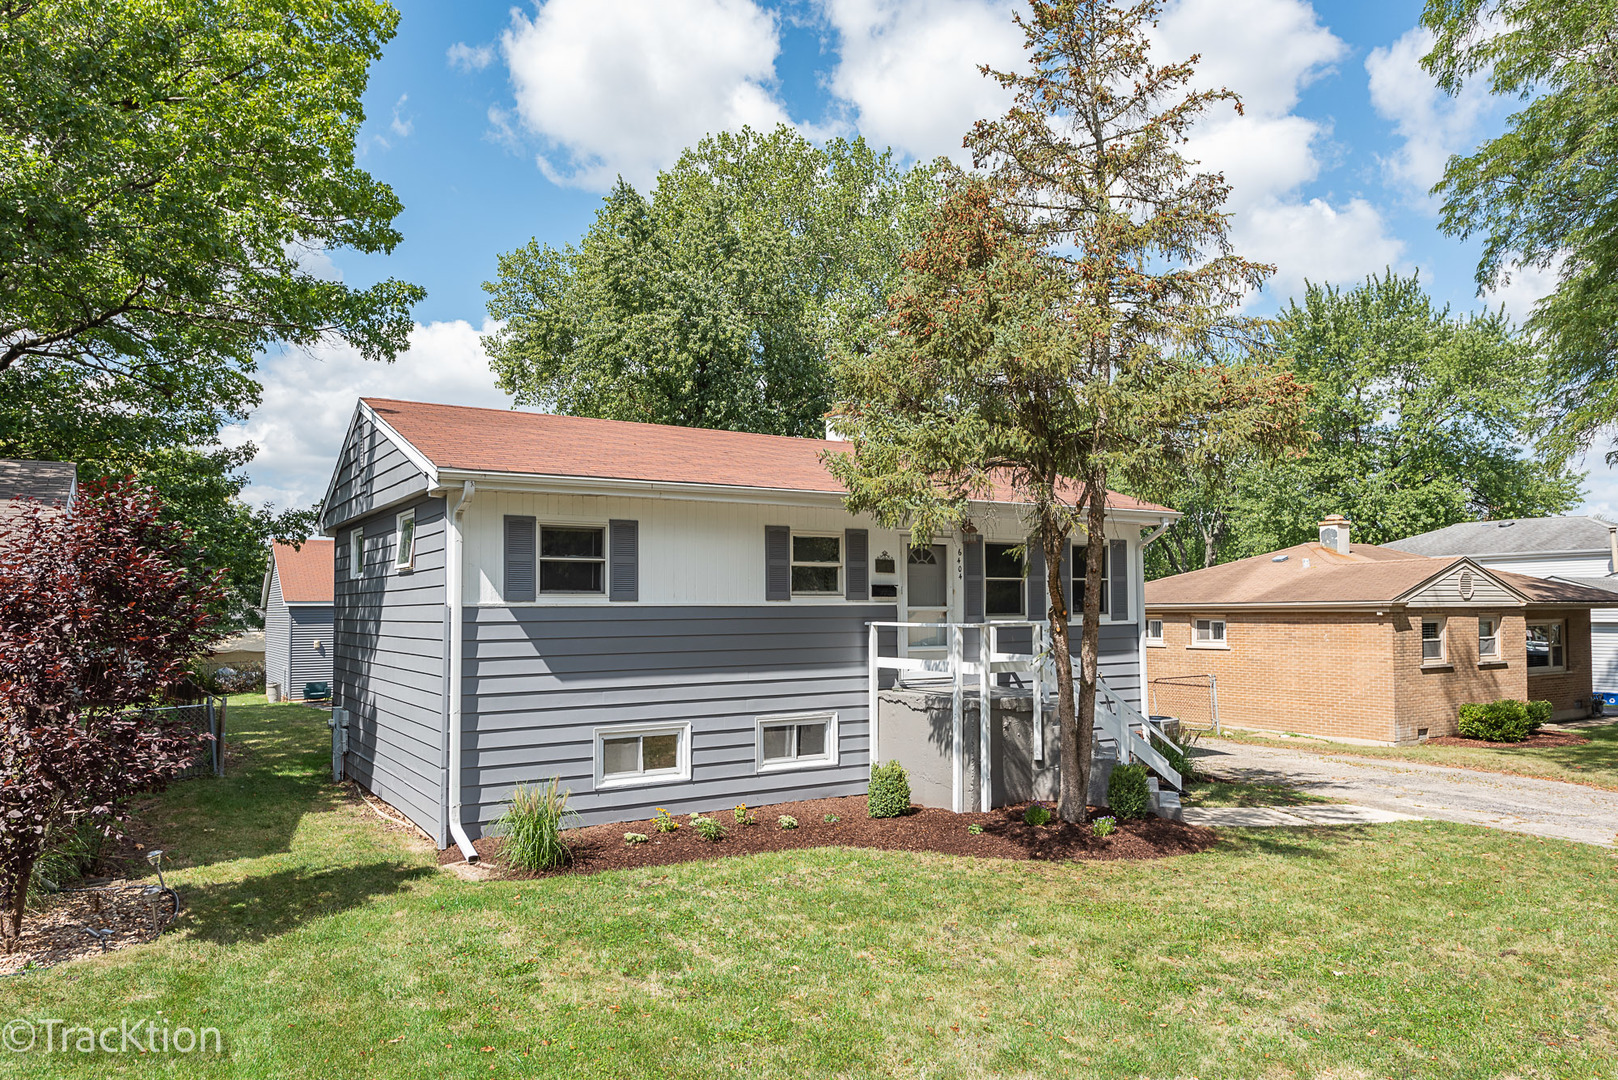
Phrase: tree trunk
(11, 919)
(1084, 704)
(1075, 763)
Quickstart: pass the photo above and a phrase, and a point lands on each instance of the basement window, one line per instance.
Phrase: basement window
(797, 741)
(646, 754)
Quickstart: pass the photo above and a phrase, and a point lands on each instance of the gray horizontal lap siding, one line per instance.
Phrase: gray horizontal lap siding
(277, 635)
(374, 473)
(389, 665)
(539, 680)
(309, 646)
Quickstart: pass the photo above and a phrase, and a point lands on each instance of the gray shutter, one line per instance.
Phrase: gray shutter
(519, 559)
(856, 565)
(1039, 604)
(623, 539)
(972, 550)
(777, 562)
(1119, 564)
(1073, 580)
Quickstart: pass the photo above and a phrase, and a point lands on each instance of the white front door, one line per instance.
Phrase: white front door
(926, 599)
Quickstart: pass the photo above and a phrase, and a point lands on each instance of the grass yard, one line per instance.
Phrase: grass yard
(1595, 764)
(324, 945)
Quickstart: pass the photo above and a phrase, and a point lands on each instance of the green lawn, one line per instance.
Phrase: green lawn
(323, 945)
(1594, 764)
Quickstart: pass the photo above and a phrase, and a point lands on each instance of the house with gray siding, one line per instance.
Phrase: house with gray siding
(297, 601)
(660, 616)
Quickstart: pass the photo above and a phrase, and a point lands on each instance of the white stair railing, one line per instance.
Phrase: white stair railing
(1132, 732)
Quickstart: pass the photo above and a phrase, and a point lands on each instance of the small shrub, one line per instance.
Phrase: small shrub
(663, 823)
(708, 828)
(744, 816)
(787, 821)
(1506, 720)
(831, 819)
(1126, 792)
(1103, 826)
(1036, 814)
(635, 838)
(1538, 713)
(532, 826)
(889, 793)
(974, 830)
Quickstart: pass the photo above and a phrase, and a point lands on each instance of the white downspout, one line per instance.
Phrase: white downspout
(453, 562)
(1141, 650)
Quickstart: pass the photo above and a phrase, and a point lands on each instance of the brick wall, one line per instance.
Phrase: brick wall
(1429, 696)
(1318, 674)
(1567, 691)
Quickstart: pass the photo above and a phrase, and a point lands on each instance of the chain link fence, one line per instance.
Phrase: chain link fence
(206, 716)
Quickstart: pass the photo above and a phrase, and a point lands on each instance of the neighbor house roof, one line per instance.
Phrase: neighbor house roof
(306, 572)
(1605, 584)
(456, 437)
(48, 482)
(1313, 574)
(1510, 536)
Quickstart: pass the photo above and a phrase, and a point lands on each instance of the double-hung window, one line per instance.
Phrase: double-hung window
(572, 559)
(643, 754)
(404, 555)
(1545, 648)
(1488, 638)
(1003, 575)
(797, 741)
(1208, 634)
(1432, 639)
(817, 565)
(1079, 555)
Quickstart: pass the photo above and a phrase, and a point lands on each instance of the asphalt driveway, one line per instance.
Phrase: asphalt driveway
(1515, 803)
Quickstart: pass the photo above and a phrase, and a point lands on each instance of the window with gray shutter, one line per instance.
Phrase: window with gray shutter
(1074, 573)
(777, 562)
(624, 547)
(518, 585)
(972, 557)
(1118, 580)
(1039, 602)
(856, 565)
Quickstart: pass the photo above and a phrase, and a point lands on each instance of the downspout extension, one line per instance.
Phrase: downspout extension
(1162, 527)
(457, 636)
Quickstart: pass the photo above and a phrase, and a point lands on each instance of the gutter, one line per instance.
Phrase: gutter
(453, 564)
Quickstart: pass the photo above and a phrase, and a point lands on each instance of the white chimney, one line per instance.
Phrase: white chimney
(1334, 533)
(832, 434)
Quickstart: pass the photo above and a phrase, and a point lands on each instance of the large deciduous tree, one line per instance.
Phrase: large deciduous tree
(712, 303)
(1065, 323)
(1544, 193)
(100, 612)
(168, 171)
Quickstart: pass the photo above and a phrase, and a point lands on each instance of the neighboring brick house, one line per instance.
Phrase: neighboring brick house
(23, 483)
(1365, 643)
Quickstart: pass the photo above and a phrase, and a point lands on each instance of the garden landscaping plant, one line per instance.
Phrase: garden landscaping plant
(531, 826)
(889, 791)
(99, 615)
(1103, 826)
(1127, 794)
(707, 828)
(1506, 720)
(787, 821)
(1036, 814)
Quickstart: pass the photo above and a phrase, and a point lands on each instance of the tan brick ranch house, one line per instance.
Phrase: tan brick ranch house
(1364, 643)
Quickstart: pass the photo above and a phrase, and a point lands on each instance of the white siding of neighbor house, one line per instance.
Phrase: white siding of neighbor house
(1581, 565)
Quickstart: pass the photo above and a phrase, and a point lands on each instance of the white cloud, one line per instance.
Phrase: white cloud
(469, 58)
(309, 398)
(1432, 124)
(402, 125)
(908, 74)
(1316, 241)
(1519, 288)
(624, 93)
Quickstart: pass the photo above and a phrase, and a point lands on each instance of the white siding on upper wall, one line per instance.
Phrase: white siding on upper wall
(1587, 565)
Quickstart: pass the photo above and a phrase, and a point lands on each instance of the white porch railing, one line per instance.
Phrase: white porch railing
(1129, 729)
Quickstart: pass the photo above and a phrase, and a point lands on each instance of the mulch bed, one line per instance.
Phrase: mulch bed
(1538, 740)
(54, 933)
(1005, 836)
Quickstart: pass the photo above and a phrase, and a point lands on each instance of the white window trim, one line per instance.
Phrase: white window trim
(1022, 612)
(828, 761)
(1158, 641)
(541, 596)
(1442, 659)
(841, 591)
(356, 553)
(681, 774)
(1107, 571)
(1496, 658)
(403, 560)
(1554, 669)
(1224, 638)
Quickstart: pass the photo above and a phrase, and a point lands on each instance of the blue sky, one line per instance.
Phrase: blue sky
(496, 124)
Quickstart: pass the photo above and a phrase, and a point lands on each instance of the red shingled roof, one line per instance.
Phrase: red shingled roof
(306, 573)
(542, 444)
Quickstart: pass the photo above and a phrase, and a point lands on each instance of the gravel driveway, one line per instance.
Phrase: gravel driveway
(1516, 803)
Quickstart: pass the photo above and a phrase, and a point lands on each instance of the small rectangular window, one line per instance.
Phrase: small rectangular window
(1154, 631)
(795, 742)
(1078, 579)
(1488, 638)
(404, 557)
(1545, 651)
(1003, 574)
(642, 755)
(817, 565)
(356, 553)
(1209, 633)
(1432, 641)
(572, 559)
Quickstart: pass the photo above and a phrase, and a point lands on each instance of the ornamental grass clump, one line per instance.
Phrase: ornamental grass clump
(708, 828)
(1127, 795)
(532, 826)
(889, 793)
